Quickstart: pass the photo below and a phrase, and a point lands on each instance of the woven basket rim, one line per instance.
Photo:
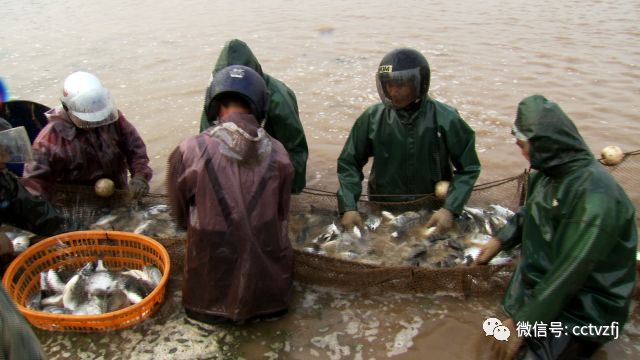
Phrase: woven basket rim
(93, 320)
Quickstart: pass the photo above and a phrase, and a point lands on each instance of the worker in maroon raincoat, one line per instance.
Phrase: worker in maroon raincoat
(230, 187)
(86, 140)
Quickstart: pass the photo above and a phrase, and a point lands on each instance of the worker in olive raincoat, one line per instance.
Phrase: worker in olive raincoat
(578, 237)
(86, 140)
(415, 141)
(230, 187)
(282, 120)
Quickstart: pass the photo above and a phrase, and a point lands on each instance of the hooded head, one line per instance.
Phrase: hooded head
(237, 52)
(554, 141)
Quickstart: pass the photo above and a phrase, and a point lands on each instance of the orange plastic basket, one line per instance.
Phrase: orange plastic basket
(119, 251)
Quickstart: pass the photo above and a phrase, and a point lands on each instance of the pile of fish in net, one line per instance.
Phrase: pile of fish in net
(93, 289)
(154, 221)
(401, 239)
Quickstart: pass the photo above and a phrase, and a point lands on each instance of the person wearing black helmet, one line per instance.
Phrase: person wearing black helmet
(283, 121)
(230, 187)
(415, 141)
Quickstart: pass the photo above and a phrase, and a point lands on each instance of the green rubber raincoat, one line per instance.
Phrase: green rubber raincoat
(412, 150)
(283, 120)
(577, 230)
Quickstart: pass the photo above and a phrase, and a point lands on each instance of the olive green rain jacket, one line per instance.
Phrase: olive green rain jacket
(412, 150)
(283, 120)
(577, 230)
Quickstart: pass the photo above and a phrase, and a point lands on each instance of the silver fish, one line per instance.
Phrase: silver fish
(135, 289)
(56, 310)
(153, 274)
(372, 222)
(74, 293)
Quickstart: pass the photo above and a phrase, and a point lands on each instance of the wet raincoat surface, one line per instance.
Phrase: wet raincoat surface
(17, 339)
(577, 230)
(412, 150)
(232, 192)
(283, 120)
(66, 154)
(18, 207)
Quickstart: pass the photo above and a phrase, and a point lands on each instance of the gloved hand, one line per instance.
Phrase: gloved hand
(488, 251)
(138, 187)
(350, 219)
(442, 220)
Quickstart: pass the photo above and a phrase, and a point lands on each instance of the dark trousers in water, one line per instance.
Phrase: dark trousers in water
(564, 347)
(215, 320)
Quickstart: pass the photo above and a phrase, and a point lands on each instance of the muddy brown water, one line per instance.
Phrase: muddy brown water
(156, 57)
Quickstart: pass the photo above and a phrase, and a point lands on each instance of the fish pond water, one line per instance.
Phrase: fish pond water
(156, 57)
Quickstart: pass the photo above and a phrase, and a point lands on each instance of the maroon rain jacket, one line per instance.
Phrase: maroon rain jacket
(230, 188)
(66, 154)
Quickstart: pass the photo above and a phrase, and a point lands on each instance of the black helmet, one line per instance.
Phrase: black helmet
(241, 80)
(403, 66)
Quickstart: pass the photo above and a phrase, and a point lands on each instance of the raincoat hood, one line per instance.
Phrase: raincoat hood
(555, 143)
(237, 52)
(282, 113)
(241, 139)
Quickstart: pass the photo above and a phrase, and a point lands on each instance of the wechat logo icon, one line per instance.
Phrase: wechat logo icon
(493, 327)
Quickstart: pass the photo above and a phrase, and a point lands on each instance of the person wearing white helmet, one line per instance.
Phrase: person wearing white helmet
(87, 139)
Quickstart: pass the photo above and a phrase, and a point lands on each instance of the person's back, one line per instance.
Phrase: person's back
(282, 120)
(230, 186)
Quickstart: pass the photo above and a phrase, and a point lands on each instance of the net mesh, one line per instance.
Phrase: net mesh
(82, 205)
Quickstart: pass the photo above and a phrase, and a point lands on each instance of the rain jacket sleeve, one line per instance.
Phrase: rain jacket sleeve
(177, 189)
(585, 242)
(135, 150)
(354, 156)
(283, 123)
(460, 143)
(20, 208)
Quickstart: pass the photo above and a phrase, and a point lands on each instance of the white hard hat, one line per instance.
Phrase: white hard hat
(88, 103)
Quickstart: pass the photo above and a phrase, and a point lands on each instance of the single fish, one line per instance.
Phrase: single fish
(87, 308)
(52, 300)
(372, 222)
(153, 274)
(53, 282)
(74, 293)
(403, 220)
(56, 310)
(135, 289)
(21, 243)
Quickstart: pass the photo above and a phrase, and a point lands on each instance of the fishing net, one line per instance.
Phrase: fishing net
(82, 205)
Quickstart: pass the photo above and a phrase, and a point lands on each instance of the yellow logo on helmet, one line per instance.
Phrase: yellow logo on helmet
(385, 68)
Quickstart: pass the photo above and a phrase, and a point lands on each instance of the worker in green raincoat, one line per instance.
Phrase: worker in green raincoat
(578, 240)
(283, 120)
(415, 141)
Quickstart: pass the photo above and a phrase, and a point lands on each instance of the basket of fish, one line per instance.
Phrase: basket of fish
(89, 281)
